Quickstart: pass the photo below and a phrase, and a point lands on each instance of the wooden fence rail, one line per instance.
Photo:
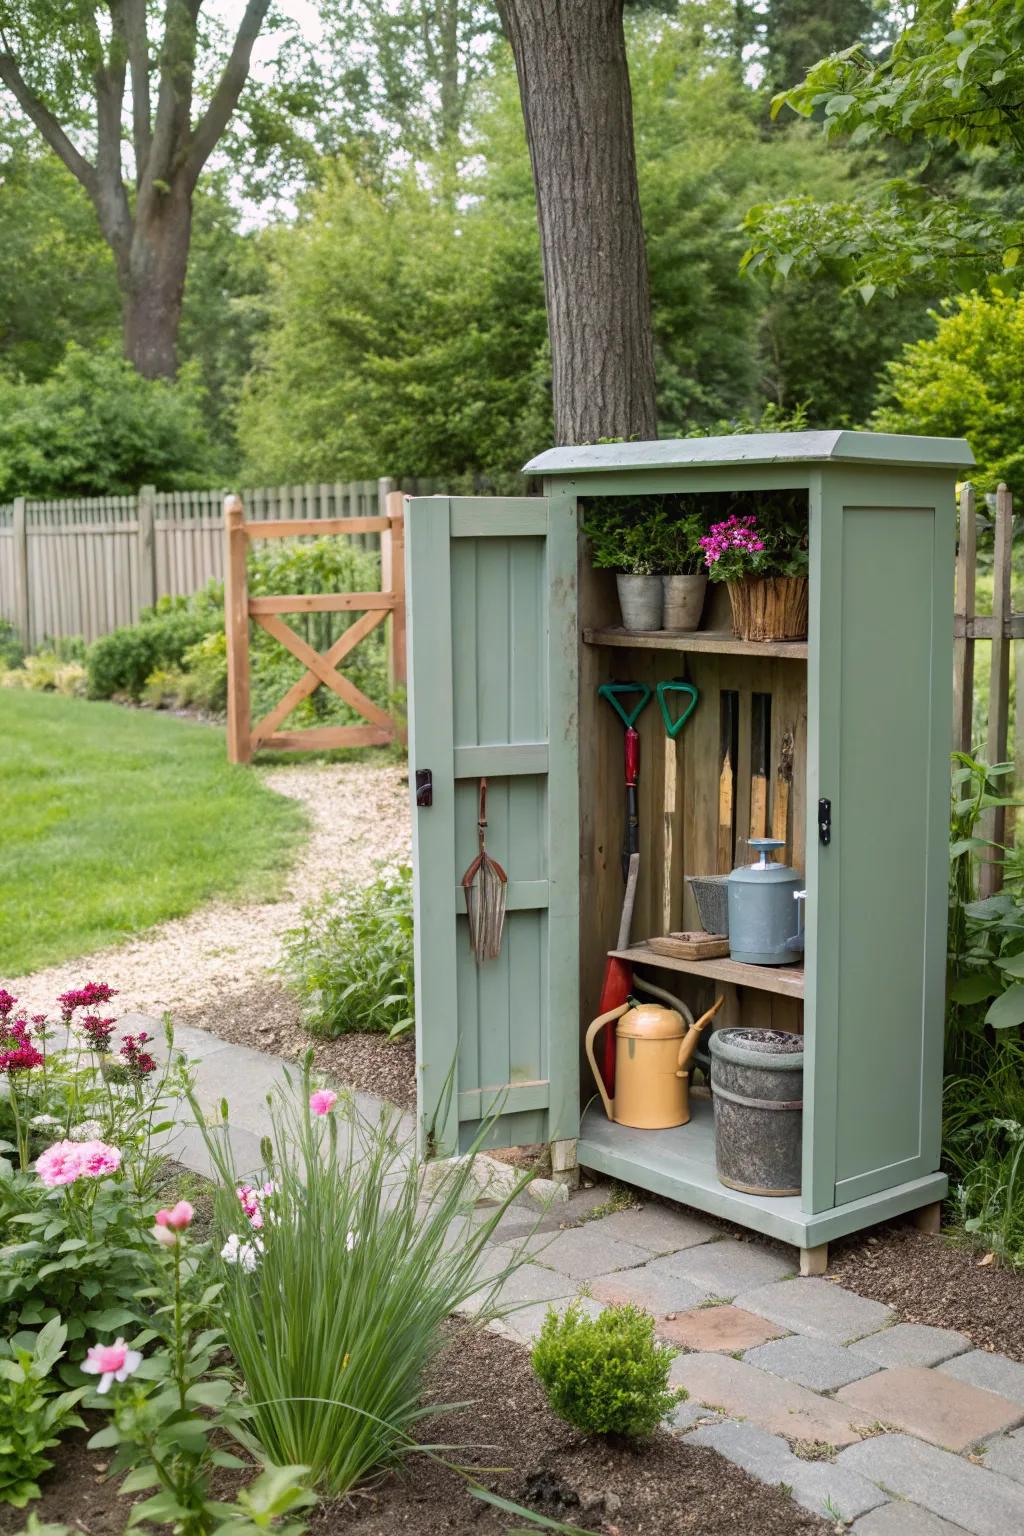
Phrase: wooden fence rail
(85, 565)
(241, 610)
(1003, 630)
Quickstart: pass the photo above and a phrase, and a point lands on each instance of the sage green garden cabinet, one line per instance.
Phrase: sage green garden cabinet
(510, 633)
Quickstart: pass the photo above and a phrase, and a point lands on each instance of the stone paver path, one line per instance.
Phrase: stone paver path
(890, 1429)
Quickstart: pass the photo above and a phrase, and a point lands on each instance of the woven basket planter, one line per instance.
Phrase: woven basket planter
(769, 607)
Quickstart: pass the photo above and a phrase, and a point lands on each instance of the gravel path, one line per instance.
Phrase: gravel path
(203, 963)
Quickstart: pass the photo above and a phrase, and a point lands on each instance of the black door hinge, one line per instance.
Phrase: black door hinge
(424, 787)
(825, 822)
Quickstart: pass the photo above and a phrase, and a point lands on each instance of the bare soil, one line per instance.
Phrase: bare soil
(931, 1280)
(663, 1487)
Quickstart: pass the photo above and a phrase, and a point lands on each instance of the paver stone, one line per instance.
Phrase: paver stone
(778, 1406)
(932, 1406)
(983, 1503)
(812, 1363)
(818, 1308)
(718, 1330)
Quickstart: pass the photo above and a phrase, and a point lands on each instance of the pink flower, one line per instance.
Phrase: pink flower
(59, 1164)
(177, 1218)
(98, 1159)
(111, 1362)
(322, 1101)
(89, 996)
(165, 1237)
(7, 1002)
(67, 1161)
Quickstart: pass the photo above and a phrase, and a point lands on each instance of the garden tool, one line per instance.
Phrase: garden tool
(612, 692)
(673, 725)
(618, 974)
(760, 752)
(652, 1064)
(677, 685)
(486, 885)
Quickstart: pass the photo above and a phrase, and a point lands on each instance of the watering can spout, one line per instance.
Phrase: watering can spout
(691, 1039)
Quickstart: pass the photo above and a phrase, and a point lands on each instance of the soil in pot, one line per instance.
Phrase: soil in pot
(641, 600)
(684, 601)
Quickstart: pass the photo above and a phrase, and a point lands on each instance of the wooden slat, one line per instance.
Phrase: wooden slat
(520, 896)
(506, 1099)
(985, 627)
(342, 686)
(500, 760)
(325, 738)
(321, 602)
(963, 648)
(999, 683)
(722, 642)
(787, 981)
(295, 527)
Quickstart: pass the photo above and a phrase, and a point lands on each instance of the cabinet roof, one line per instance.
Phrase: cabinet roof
(758, 448)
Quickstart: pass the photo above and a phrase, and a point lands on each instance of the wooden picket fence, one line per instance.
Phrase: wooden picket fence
(1003, 630)
(85, 565)
(382, 728)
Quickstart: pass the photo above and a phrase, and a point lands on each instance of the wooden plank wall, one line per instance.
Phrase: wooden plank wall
(93, 563)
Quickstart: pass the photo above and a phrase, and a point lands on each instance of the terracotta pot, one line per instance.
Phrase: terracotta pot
(684, 601)
(640, 598)
(769, 607)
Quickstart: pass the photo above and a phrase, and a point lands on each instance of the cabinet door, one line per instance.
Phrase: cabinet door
(879, 697)
(492, 694)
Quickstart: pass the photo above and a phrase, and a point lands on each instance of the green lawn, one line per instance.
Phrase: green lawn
(113, 819)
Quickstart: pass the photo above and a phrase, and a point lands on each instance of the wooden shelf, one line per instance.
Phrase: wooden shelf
(724, 642)
(784, 980)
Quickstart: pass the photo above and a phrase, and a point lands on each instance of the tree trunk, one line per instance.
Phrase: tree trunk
(153, 284)
(574, 85)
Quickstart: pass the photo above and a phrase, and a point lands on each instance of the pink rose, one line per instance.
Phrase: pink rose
(322, 1101)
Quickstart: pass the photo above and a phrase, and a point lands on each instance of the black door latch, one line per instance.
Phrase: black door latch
(825, 822)
(424, 787)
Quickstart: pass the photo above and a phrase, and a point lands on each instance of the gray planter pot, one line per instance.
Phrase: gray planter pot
(684, 601)
(641, 600)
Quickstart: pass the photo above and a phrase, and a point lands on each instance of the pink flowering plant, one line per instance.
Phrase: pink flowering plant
(769, 540)
(175, 1402)
(83, 1115)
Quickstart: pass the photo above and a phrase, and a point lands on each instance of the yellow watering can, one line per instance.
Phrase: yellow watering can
(652, 1064)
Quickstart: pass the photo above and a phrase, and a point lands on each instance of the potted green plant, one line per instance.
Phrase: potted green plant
(675, 543)
(761, 555)
(620, 540)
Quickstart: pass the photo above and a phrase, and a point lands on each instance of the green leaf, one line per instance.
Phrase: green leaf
(139, 1479)
(975, 988)
(1008, 1010)
(210, 1394)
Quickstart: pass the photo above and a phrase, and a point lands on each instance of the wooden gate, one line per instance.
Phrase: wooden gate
(244, 738)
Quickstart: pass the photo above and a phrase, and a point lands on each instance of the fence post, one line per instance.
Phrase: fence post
(236, 621)
(392, 579)
(22, 617)
(963, 612)
(146, 513)
(999, 680)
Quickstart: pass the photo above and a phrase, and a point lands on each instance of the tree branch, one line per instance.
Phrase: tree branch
(110, 197)
(174, 98)
(129, 18)
(215, 119)
(45, 121)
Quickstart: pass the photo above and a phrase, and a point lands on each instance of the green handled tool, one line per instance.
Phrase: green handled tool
(677, 685)
(614, 693)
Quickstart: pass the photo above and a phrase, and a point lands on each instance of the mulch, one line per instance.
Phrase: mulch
(265, 1016)
(932, 1280)
(663, 1487)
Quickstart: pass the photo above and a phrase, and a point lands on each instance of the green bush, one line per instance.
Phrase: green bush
(606, 1375)
(33, 1410)
(350, 962)
(11, 651)
(120, 663)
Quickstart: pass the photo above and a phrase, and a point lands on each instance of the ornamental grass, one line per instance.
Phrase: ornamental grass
(341, 1268)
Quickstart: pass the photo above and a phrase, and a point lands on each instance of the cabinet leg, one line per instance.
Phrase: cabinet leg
(929, 1218)
(814, 1261)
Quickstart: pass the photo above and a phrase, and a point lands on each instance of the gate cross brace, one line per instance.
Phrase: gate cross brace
(320, 669)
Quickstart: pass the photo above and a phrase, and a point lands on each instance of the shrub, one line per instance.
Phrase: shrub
(11, 651)
(120, 663)
(606, 1375)
(340, 1273)
(351, 961)
(33, 1410)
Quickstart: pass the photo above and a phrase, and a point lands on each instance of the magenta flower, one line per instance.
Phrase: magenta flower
(138, 1062)
(322, 1101)
(7, 1002)
(22, 1057)
(89, 996)
(98, 1159)
(97, 1032)
(111, 1362)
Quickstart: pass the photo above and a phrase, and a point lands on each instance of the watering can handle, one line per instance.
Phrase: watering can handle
(593, 1030)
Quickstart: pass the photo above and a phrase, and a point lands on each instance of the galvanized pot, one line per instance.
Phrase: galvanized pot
(757, 1087)
(641, 601)
(684, 601)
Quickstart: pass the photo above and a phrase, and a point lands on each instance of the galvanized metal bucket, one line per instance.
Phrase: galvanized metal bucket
(757, 1087)
(711, 893)
(641, 599)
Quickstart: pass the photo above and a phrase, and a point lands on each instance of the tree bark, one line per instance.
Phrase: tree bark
(153, 285)
(574, 86)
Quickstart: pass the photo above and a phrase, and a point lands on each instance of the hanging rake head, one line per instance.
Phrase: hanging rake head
(486, 885)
